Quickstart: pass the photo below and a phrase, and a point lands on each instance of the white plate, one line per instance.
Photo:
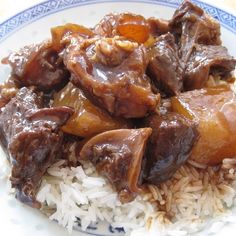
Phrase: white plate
(33, 25)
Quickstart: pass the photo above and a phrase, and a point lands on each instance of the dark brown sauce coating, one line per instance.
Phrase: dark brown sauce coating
(165, 67)
(118, 155)
(111, 72)
(169, 146)
(38, 65)
(32, 139)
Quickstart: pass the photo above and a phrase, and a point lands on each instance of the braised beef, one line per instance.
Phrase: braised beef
(71, 147)
(165, 68)
(38, 65)
(118, 155)
(198, 37)
(8, 90)
(158, 26)
(206, 60)
(169, 146)
(115, 72)
(111, 72)
(191, 25)
(32, 137)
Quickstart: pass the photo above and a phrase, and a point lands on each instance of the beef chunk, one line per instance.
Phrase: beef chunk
(191, 25)
(165, 68)
(32, 137)
(158, 26)
(8, 90)
(169, 146)
(111, 73)
(38, 65)
(118, 155)
(206, 60)
(198, 37)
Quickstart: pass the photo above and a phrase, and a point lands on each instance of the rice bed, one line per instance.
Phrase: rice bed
(179, 206)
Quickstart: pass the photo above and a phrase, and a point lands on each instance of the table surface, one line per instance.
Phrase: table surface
(11, 7)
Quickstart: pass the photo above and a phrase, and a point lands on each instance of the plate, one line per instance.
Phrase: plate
(33, 25)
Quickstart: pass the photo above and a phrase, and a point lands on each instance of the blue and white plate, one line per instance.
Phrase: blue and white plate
(33, 25)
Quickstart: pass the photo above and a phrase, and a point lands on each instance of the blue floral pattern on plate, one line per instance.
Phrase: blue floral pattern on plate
(51, 6)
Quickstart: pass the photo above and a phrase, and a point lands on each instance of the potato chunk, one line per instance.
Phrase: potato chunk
(87, 119)
(214, 109)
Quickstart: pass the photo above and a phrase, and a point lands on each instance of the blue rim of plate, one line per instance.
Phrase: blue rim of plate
(43, 9)
(49, 7)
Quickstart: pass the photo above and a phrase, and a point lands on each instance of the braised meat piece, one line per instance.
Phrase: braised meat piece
(158, 26)
(111, 73)
(38, 65)
(8, 90)
(190, 24)
(118, 155)
(169, 146)
(206, 60)
(165, 68)
(32, 138)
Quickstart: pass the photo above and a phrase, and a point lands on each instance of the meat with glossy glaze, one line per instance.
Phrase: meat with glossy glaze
(165, 67)
(31, 136)
(38, 65)
(169, 146)
(191, 25)
(206, 60)
(111, 73)
(118, 155)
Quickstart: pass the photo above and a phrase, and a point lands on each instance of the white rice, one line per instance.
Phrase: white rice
(80, 192)
(181, 206)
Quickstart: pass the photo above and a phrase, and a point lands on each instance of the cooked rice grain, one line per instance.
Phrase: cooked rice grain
(179, 206)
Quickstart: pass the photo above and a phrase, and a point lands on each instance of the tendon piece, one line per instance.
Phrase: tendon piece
(118, 156)
(214, 110)
(169, 146)
(32, 138)
(192, 25)
(158, 26)
(38, 65)
(61, 33)
(133, 27)
(111, 73)
(87, 119)
(165, 68)
(107, 26)
(206, 60)
(130, 26)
